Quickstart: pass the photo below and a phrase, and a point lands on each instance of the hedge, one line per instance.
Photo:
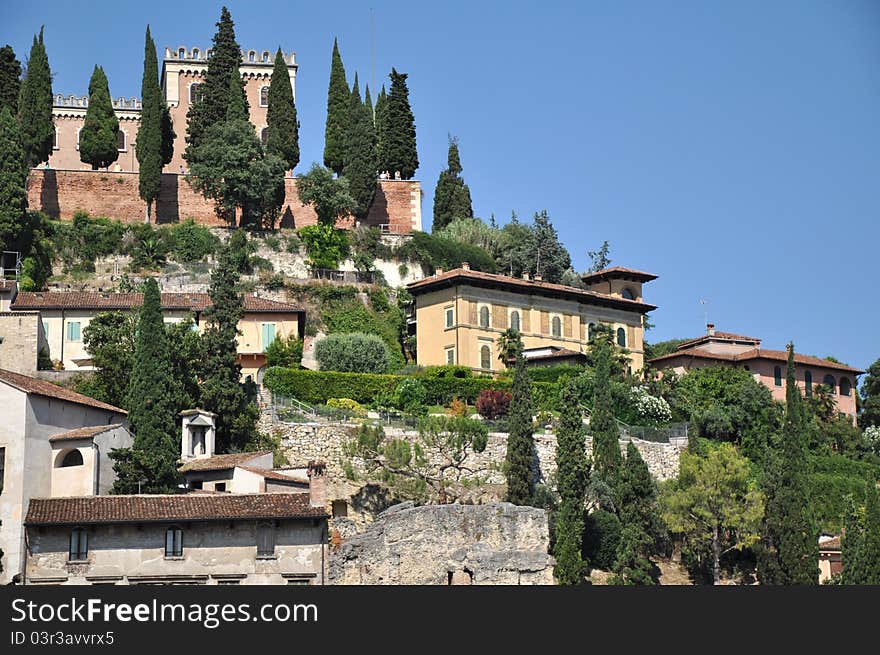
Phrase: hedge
(832, 478)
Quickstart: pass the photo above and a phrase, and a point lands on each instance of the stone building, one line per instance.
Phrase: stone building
(460, 314)
(21, 339)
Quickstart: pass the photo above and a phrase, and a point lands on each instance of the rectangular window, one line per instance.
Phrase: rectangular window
(46, 329)
(73, 331)
(265, 540)
(220, 486)
(268, 334)
(450, 355)
(2, 467)
(450, 317)
(299, 581)
(79, 545)
(174, 542)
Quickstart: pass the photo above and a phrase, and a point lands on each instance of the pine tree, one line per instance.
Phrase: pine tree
(222, 392)
(379, 120)
(520, 442)
(639, 517)
(149, 137)
(152, 459)
(360, 155)
(283, 135)
(603, 427)
(788, 552)
(13, 179)
(35, 106)
(214, 93)
(338, 111)
(10, 79)
(571, 481)
(452, 197)
(98, 138)
(551, 258)
(399, 131)
(866, 562)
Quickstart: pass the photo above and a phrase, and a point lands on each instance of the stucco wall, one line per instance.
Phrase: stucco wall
(12, 430)
(21, 334)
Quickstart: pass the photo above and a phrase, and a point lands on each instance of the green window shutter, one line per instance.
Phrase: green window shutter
(73, 332)
(268, 334)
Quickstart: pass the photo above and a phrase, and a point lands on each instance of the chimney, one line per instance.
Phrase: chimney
(466, 266)
(525, 276)
(538, 277)
(317, 484)
(438, 270)
(710, 329)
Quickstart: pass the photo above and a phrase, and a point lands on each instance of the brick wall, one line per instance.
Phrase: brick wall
(60, 193)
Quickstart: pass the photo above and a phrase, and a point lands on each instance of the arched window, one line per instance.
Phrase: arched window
(265, 540)
(830, 382)
(484, 316)
(621, 337)
(264, 96)
(195, 93)
(174, 542)
(72, 458)
(252, 56)
(556, 326)
(628, 294)
(777, 376)
(195, 54)
(514, 320)
(485, 357)
(210, 53)
(120, 141)
(79, 545)
(845, 386)
(265, 56)
(264, 136)
(181, 53)
(808, 384)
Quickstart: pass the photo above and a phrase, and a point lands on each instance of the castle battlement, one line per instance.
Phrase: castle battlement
(248, 57)
(82, 102)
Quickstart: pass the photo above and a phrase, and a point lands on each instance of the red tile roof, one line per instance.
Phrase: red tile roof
(84, 433)
(618, 273)
(6, 285)
(37, 387)
(758, 353)
(722, 336)
(194, 302)
(491, 280)
(168, 508)
(832, 544)
(221, 462)
(556, 354)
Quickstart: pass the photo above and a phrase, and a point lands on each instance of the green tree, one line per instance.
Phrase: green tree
(788, 552)
(152, 458)
(851, 542)
(98, 138)
(338, 112)
(520, 441)
(639, 517)
(10, 79)
(550, 259)
(515, 245)
(168, 135)
(285, 352)
(714, 503)
(13, 180)
(149, 136)
(35, 106)
(603, 427)
(110, 340)
(571, 481)
(599, 258)
(399, 153)
(331, 198)
(353, 352)
(473, 232)
(865, 564)
(282, 139)
(870, 414)
(379, 121)
(186, 360)
(452, 197)
(213, 102)
(360, 155)
(222, 391)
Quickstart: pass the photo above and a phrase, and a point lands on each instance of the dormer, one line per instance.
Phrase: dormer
(197, 434)
(617, 281)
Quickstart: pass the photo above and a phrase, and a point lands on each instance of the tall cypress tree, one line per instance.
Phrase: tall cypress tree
(283, 136)
(98, 138)
(214, 93)
(360, 155)
(236, 108)
(149, 137)
(788, 552)
(452, 197)
(152, 459)
(10, 79)
(520, 441)
(639, 518)
(571, 480)
(399, 131)
(35, 106)
(603, 427)
(168, 134)
(379, 121)
(338, 111)
(13, 179)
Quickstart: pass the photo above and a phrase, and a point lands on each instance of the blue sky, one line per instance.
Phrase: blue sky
(731, 148)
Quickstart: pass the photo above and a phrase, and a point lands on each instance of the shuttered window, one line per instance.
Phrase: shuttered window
(268, 334)
(73, 331)
(265, 540)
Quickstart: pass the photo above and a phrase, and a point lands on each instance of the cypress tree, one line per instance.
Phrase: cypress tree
(168, 134)
(379, 120)
(283, 136)
(98, 139)
(221, 389)
(452, 197)
(149, 137)
(13, 179)
(603, 427)
(520, 442)
(866, 562)
(368, 103)
(399, 131)
(571, 481)
(152, 459)
(236, 109)
(789, 549)
(35, 106)
(338, 110)
(637, 504)
(10, 79)
(851, 543)
(360, 155)
(214, 93)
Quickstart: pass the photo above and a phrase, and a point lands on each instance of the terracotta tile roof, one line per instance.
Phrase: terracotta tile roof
(557, 353)
(758, 353)
(831, 543)
(167, 508)
(724, 336)
(194, 302)
(42, 388)
(6, 285)
(84, 433)
(618, 272)
(274, 475)
(221, 462)
(492, 280)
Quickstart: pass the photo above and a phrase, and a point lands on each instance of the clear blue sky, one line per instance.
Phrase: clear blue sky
(732, 148)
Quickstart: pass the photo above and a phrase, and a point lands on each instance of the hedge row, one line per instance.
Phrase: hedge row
(832, 478)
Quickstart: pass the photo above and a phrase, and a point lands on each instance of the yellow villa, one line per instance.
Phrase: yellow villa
(460, 314)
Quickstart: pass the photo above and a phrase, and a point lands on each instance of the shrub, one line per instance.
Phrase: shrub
(191, 242)
(325, 245)
(448, 371)
(872, 438)
(273, 243)
(601, 539)
(651, 409)
(432, 251)
(353, 352)
(262, 264)
(492, 404)
(349, 405)
(411, 395)
(554, 373)
(274, 282)
(285, 352)
(317, 387)
(458, 407)
(832, 478)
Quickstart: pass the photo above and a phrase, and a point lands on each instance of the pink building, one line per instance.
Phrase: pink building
(767, 366)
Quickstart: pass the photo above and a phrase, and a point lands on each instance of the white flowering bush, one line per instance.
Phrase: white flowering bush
(872, 437)
(651, 408)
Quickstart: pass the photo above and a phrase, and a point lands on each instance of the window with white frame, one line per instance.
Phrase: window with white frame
(484, 316)
(485, 357)
(450, 317)
(450, 355)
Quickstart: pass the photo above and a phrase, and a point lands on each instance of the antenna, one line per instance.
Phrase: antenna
(705, 312)
(372, 56)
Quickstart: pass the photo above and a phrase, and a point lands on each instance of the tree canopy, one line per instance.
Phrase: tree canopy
(452, 197)
(149, 137)
(282, 139)
(35, 106)
(338, 114)
(99, 136)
